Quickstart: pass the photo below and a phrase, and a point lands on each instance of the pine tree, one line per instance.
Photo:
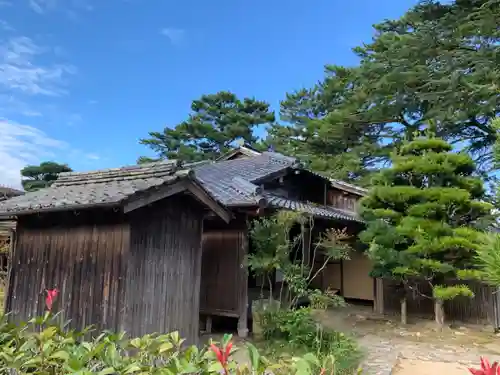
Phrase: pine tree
(37, 177)
(438, 61)
(215, 123)
(421, 218)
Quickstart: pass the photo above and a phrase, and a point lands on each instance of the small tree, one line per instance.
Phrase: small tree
(488, 260)
(41, 176)
(274, 245)
(421, 214)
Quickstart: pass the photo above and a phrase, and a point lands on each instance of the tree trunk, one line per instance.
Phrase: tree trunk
(404, 312)
(439, 313)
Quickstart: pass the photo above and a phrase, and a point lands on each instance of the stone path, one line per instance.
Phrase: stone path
(383, 353)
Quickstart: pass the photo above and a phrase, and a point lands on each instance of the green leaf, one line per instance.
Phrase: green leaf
(302, 367)
(166, 346)
(60, 354)
(254, 356)
(311, 358)
(108, 371)
(48, 333)
(136, 343)
(132, 368)
(215, 367)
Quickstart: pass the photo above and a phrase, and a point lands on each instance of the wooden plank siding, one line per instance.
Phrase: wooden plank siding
(342, 200)
(163, 280)
(139, 273)
(82, 256)
(477, 310)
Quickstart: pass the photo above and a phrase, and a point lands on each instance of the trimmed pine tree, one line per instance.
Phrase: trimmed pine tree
(423, 215)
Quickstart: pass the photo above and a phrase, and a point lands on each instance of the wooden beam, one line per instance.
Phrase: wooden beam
(306, 245)
(186, 185)
(225, 314)
(243, 289)
(7, 302)
(160, 193)
(208, 201)
(325, 194)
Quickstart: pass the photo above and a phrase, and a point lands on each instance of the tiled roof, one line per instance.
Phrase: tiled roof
(74, 190)
(235, 183)
(342, 185)
(7, 192)
(218, 178)
(326, 212)
(246, 151)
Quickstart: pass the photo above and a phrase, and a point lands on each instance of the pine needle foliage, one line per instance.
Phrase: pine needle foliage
(423, 216)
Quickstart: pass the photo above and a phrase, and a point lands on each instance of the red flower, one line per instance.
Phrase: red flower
(51, 296)
(486, 368)
(222, 355)
(218, 353)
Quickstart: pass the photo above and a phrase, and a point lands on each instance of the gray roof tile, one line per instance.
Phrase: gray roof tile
(7, 192)
(73, 190)
(326, 212)
(234, 183)
(218, 177)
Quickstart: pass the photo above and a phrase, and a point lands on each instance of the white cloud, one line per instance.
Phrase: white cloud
(70, 7)
(42, 6)
(5, 26)
(19, 70)
(92, 156)
(21, 145)
(29, 87)
(176, 36)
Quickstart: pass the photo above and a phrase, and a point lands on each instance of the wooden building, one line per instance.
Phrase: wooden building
(123, 246)
(7, 228)
(254, 184)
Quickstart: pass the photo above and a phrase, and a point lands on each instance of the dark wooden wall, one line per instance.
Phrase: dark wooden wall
(82, 256)
(163, 279)
(138, 273)
(342, 200)
(224, 276)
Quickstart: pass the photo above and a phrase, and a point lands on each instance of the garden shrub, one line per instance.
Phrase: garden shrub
(302, 333)
(42, 346)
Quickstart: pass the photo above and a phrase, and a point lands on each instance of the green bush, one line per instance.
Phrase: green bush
(44, 347)
(302, 333)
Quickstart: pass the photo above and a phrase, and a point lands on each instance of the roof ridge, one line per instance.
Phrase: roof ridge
(109, 187)
(280, 157)
(121, 169)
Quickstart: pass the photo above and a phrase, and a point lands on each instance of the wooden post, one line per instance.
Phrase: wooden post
(9, 287)
(496, 311)
(306, 245)
(243, 280)
(378, 306)
(208, 323)
(325, 194)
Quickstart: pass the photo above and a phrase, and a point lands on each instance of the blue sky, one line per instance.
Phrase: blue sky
(82, 80)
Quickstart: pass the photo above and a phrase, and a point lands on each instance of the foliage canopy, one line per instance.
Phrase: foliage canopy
(41, 176)
(215, 123)
(423, 214)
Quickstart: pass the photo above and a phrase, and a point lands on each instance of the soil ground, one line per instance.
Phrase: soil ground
(417, 348)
